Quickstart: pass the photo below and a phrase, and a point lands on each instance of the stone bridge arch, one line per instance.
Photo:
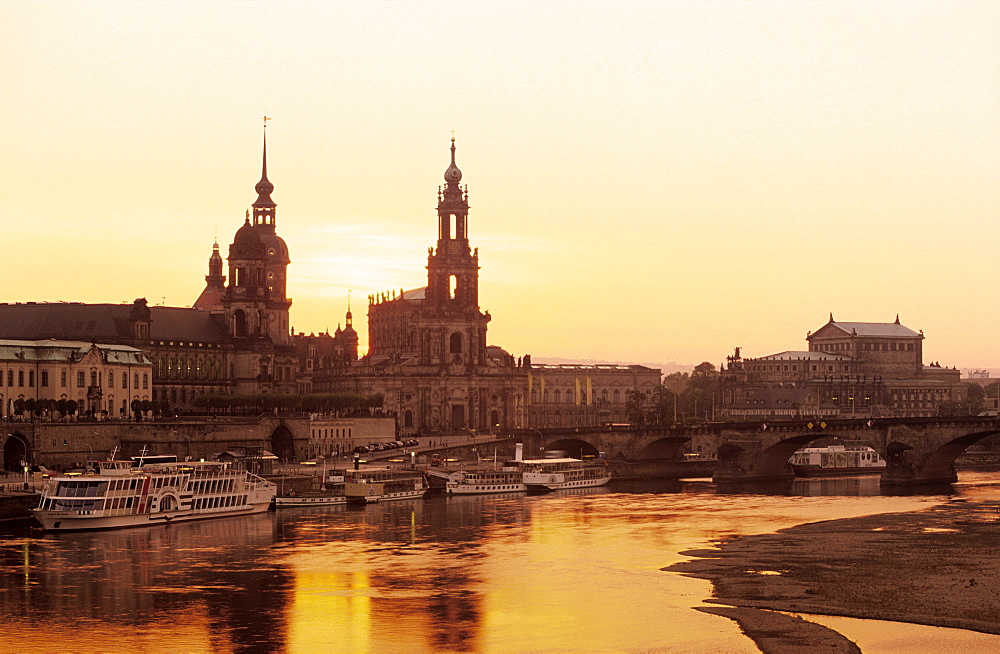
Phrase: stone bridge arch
(282, 443)
(927, 458)
(16, 452)
(577, 448)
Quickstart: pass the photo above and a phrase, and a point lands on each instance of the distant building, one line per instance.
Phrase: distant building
(851, 369)
(586, 395)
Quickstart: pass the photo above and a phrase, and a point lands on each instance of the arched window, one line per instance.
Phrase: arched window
(408, 419)
(557, 396)
(569, 396)
(455, 343)
(239, 323)
(617, 396)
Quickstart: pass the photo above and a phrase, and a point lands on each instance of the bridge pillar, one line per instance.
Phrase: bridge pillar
(741, 461)
(905, 466)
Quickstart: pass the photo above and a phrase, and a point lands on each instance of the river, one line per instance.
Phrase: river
(578, 572)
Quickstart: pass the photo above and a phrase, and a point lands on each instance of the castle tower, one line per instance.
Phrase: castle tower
(255, 302)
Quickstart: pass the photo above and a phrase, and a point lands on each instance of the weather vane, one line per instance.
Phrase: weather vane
(265, 119)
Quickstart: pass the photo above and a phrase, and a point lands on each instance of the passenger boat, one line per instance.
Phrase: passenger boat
(121, 495)
(332, 492)
(383, 484)
(509, 479)
(833, 460)
(556, 474)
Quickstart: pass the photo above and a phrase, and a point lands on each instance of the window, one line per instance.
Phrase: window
(455, 345)
(10, 377)
(45, 378)
(62, 378)
(31, 378)
(145, 380)
(124, 380)
(20, 378)
(136, 385)
(79, 379)
(111, 378)
(93, 378)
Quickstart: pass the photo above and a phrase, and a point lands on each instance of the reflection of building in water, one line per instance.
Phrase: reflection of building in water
(204, 581)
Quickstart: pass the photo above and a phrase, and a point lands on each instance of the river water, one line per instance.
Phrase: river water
(580, 571)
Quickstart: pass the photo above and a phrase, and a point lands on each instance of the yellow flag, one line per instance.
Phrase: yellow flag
(590, 391)
(577, 380)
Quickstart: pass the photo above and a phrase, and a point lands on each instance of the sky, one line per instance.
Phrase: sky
(649, 182)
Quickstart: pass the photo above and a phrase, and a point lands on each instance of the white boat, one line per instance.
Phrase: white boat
(556, 474)
(833, 460)
(332, 492)
(383, 484)
(120, 495)
(509, 479)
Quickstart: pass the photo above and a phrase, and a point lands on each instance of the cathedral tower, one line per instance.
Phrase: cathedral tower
(453, 268)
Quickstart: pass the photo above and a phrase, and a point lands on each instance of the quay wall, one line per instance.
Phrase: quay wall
(59, 445)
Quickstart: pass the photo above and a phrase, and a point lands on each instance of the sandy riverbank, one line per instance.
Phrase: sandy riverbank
(935, 567)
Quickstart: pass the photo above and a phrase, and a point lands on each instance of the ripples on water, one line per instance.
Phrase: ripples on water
(580, 571)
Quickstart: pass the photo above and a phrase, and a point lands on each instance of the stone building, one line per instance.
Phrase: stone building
(570, 395)
(850, 369)
(234, 339)
(428, 355)
(102, 379)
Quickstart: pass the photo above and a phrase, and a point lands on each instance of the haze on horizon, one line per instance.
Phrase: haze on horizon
(648, 182)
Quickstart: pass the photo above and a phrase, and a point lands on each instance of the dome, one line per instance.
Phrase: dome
(453, 175)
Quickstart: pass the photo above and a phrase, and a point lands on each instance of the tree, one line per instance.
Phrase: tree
(18, 406)
(71, 407)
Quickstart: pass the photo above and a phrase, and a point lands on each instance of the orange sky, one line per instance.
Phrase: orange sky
(649, 182)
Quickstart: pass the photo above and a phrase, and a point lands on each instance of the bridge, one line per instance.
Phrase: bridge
(916, 450)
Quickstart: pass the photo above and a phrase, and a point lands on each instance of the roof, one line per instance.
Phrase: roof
(56, 350)
(66, 321)
(415, 293)
(182, 324)
(104, 323)
(881, 329)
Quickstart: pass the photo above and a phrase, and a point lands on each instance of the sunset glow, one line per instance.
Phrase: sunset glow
(649, 182)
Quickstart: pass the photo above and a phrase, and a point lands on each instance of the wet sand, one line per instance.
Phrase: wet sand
(939, 566)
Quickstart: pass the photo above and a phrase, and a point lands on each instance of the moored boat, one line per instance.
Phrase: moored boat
(332, 492)
(509, 479)
(834, 460)
(556, 474)
(383, 484)
(120, 495)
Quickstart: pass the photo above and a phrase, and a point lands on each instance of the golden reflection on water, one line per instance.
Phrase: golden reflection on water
(578, 572)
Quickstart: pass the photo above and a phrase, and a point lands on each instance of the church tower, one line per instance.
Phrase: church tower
(215, 284)
(255, 302)
(453, 268)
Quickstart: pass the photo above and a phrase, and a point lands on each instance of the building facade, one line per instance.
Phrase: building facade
(102, 380)
(850, 369)
(428, 355)
(570, 395)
